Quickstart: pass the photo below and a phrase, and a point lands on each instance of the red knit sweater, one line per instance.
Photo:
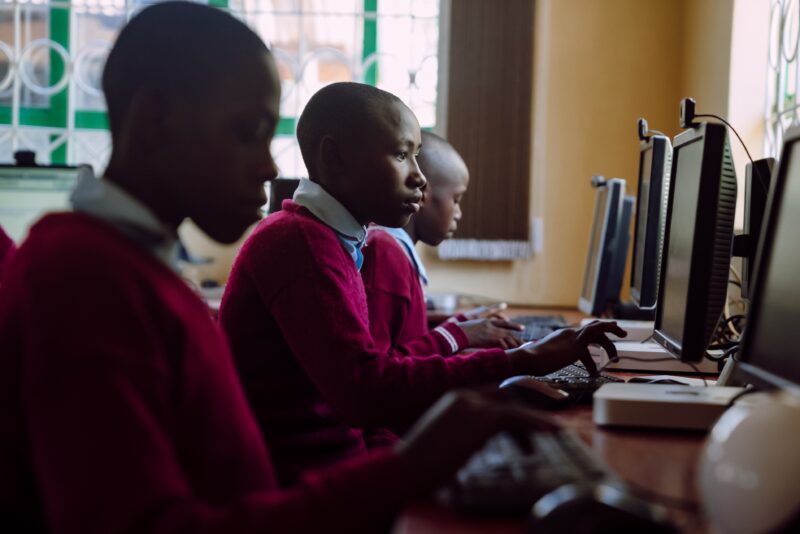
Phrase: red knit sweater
(120, 410)
(7, 250)
(397, 313)
(296, 315)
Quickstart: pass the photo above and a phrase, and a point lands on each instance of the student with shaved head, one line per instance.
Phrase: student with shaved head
(296, 312)
(120, 407)
(393, 272)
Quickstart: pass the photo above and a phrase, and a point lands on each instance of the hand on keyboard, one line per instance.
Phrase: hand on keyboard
(492, 333)
(458, 425)
(564, 347)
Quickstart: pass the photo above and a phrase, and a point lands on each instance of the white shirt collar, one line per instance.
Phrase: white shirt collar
(326, 208)
(103, 199)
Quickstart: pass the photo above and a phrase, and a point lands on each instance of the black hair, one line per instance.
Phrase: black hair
(341, 110)
(175, 47)
(436, 159)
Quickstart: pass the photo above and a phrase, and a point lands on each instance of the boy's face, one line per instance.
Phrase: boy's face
(441, 209)
(383, 183)
(220, 149)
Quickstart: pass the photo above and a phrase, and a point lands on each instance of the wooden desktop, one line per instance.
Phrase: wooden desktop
(652, 461)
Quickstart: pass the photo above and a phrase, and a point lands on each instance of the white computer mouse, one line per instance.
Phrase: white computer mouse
(749, 472)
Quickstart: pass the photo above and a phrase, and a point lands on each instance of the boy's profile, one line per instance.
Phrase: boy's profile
(393, 272)
(299, 327)
(120, 407)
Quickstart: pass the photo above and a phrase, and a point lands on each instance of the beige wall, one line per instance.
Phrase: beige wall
(598, 67)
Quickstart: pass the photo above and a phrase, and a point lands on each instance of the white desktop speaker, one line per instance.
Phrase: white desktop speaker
(749, 471)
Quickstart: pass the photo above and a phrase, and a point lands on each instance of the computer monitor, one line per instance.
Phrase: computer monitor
(655, 158)
(697, 244)
(27, 193)
(608, 246)
(768, 355)
(756, 189)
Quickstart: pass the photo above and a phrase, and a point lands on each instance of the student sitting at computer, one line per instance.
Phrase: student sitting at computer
(120, 408)
(299, 327)
(393, 272)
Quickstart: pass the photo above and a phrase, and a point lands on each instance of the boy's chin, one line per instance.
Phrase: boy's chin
(394, 222)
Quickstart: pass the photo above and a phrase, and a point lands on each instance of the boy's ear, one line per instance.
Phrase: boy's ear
(331, 158)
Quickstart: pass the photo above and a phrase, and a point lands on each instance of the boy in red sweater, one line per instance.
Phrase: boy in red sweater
(120, 408)
(393, 272)
(299, 327)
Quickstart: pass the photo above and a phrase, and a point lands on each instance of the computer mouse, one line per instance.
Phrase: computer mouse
(586, 508)
(533, 391)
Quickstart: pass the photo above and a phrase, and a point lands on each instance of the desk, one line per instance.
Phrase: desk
(661, 461)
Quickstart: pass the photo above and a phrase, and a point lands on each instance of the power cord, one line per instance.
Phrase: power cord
(755, 168)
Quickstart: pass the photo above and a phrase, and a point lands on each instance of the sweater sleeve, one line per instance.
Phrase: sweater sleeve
(98, 404)
(388, 311)
(364, 385)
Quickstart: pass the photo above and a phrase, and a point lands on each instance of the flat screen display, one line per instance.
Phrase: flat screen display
(686, 189)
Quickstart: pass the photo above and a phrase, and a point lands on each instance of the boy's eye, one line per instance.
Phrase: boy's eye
(401, 156)
(253, 131)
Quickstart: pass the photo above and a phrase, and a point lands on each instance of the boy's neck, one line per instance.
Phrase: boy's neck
(409, 229)
(140, 185)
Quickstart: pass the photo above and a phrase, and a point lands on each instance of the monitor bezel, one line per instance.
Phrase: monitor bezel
(693, 344)
(746, 371)
(646, 296)
(610, 220)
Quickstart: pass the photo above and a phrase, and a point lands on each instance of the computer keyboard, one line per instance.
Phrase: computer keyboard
(576, 380)
(539, 326)
(502, 478)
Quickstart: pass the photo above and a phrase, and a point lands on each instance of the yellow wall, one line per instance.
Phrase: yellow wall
(598, 67)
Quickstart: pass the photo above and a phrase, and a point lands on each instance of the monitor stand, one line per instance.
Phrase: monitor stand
(649, 357)
(629, 310)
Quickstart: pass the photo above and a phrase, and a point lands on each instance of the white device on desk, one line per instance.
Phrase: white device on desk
(661, 406)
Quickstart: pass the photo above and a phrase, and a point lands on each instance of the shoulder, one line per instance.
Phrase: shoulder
(74, 243)
(386, 265)
(290, 245)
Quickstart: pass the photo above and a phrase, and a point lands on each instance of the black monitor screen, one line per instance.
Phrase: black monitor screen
(642, 207)
(595, 245)
(775, 333)
(689, 160)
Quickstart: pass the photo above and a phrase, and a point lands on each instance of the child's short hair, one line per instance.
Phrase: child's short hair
(343, 109)
(176, 47)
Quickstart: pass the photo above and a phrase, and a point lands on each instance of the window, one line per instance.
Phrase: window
(783, 78)
(52, 55)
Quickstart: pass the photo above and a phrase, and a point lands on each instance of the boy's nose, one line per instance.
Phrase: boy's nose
(418, 179)
(270, 168)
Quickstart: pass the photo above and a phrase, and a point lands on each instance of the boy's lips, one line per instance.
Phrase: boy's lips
(413, 203)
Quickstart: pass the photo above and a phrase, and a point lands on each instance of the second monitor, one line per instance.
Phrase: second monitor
(697, 248)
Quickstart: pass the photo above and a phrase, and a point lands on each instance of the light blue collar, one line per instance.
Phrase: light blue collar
(104, 200)
(330, 211)
(407, 244)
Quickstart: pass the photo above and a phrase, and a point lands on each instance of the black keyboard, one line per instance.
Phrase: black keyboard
(502, 478)
(539, 326)
(576, 380)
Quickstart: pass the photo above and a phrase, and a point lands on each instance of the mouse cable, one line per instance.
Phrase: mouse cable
(755, 168)
(728, 352)
(670, 501)
(747, 391)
